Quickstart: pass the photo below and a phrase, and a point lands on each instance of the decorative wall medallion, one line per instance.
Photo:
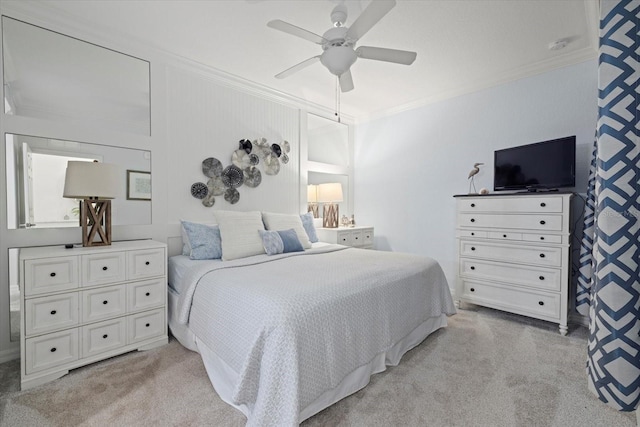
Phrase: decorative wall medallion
(209, 200)
(211, 167)
(271, 165)
(224, 181)
(232, 196)
(232, 176)
(252, 177)
(216, 186)
(199, 190)
(245, 145)
(241, 159)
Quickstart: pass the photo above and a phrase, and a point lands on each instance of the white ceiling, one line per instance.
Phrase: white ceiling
(462, 45)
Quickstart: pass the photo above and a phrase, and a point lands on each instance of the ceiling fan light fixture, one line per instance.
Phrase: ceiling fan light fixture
(338, 59)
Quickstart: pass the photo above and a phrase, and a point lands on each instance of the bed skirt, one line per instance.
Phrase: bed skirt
(224, 378)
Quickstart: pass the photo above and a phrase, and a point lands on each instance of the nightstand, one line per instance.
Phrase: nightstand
(358, 237)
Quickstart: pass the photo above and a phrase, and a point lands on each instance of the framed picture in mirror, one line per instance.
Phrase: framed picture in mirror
(138, 185)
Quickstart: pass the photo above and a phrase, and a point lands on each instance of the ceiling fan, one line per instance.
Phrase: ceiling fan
(338, 43)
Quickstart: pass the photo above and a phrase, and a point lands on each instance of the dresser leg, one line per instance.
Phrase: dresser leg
(564, 330)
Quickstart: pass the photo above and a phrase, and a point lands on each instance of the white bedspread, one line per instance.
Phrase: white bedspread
(293, 326)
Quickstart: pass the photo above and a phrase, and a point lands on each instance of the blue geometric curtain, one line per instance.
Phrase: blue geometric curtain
(609, 278)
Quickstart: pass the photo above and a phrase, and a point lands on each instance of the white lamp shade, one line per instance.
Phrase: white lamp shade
(85, 180)
(312, 193)
(330, 192)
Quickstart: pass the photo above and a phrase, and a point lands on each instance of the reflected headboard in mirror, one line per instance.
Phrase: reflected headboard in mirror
(35, 181)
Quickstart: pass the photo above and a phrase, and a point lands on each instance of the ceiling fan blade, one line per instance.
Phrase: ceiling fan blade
(296, 31)
(368, 18)
(297, 67)
(389, 55)
(346, 81)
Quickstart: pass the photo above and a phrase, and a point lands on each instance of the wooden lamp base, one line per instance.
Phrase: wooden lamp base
(95, 219)
(330, 215)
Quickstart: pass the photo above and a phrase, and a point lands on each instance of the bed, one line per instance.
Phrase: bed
(284, 336)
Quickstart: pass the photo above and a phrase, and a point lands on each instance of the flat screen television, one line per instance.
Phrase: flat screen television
(547, 165)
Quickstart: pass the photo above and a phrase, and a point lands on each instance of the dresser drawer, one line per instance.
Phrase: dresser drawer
(50, 275)
(102, 303)
(99, 269)
(145, 263)
(52, 312)
(357, 238)
(344, 238)
(507, 221)
(472, 233)
(104, 336)
(537, 277)
(51, 350)
(517, 300)
(542, 238)
(145, 325)
(367, 237)
(546, 256)
(511, 204)
(507, 235)
(145, 295)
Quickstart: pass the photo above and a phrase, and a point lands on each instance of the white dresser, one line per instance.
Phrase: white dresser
(358, 237)
(514, 253)
(86, 304)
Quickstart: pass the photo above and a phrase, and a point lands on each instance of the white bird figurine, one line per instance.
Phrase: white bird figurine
(472, 174)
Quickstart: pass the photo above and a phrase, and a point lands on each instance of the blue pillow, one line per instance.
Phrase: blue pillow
(307, 223)
(204, 240)
(280, 242)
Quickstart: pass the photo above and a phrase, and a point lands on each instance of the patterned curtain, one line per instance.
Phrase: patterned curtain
(609, 277)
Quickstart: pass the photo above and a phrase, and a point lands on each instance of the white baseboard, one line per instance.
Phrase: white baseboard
(10, 354)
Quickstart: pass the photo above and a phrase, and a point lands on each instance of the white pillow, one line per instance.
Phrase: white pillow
(280, 222)
(239, 233)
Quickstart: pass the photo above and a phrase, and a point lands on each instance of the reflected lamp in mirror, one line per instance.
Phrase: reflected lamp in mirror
(94, 184)
(312, 200)
(330, 194)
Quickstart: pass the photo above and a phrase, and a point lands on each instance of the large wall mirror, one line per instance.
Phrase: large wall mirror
(50, 76)
(328, 141)
(35, 181)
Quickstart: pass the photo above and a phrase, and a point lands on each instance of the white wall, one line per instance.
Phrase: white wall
(409, 166)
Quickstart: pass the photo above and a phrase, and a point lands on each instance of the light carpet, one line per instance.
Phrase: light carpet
(487, 368)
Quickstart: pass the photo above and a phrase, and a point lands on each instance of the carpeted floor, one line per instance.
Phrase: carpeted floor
(486, 369)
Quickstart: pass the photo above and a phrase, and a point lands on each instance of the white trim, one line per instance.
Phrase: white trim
(10, 354)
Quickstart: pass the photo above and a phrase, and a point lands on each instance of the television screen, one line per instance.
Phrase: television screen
(544, 165)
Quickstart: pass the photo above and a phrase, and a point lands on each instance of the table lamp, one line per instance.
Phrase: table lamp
(94, 184)
(312, 200)
(329, 194)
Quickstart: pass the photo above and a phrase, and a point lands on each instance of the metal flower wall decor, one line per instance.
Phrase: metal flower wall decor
(244, 170)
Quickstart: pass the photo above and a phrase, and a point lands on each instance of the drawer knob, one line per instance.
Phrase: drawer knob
(53, 312)
(147, 294)
(147, 325)
(356, 238)
(53, 275)
(541, 302)
(543, 204)
(541, 277)
(147, 263)
(105, 336)
(473, 248)
(104, 268)
(473, 205)
(105, 302)
(472, 267)
(53, 350)
(541, 238)
(472, 289)
(473, 234)
(473, 220)
(504, 235)
(541, 255)
(543, 222)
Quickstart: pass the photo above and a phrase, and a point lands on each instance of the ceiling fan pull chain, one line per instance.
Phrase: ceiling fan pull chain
(338, 98)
